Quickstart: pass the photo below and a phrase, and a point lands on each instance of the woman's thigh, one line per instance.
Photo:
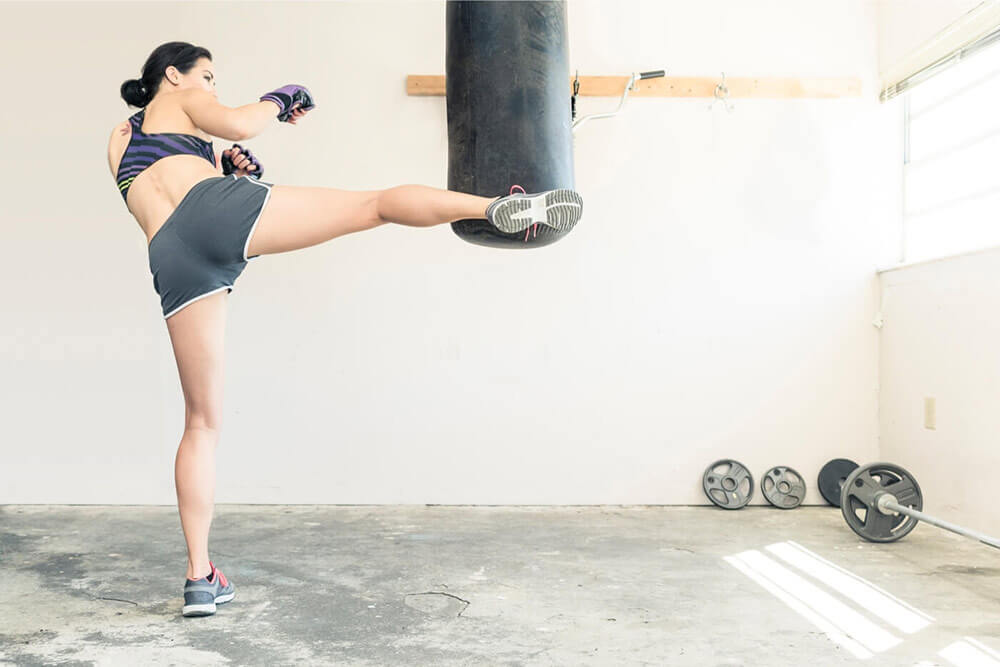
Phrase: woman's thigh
(298, 217)
(197, 335)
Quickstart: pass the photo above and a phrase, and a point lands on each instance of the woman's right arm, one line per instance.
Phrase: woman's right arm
(232, 124)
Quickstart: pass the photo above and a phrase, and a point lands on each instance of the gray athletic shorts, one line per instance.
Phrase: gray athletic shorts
(202, 247)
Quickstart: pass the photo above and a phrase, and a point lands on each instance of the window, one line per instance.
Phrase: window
(951, 164)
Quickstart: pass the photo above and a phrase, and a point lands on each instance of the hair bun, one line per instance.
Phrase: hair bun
(134, 93)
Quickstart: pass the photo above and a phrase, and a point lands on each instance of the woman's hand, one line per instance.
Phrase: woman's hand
(296, 114)
(287, 98)
(243, 162)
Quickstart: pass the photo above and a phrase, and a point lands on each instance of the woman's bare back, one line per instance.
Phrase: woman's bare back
(157, 191)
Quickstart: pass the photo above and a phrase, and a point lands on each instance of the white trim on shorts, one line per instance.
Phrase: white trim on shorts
(201, 296)
(246, 246)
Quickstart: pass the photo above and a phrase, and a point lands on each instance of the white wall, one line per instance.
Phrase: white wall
(715, 301)
(939, 340)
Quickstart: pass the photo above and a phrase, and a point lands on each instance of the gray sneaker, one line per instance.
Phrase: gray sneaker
(201, 595)
(559, 209)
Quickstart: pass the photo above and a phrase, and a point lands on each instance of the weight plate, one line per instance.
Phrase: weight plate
(728, 484)
(831, 479)
(783, 487)
(859, 501)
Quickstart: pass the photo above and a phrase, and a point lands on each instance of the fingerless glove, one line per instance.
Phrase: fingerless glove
(228, 167)
(286, 97)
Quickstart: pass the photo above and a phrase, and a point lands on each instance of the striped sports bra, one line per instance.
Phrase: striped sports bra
(145, 149)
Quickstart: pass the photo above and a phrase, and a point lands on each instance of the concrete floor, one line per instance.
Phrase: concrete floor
(415, 585)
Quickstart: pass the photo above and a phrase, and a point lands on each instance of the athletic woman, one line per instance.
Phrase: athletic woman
(206, 214)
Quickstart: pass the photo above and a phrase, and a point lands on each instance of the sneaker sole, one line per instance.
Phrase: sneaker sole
(199, 609)
(206, 609)
(559, 209)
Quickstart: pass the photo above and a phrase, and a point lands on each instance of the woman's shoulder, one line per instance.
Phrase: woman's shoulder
(117, 142)
(124, 126)
(122, 129)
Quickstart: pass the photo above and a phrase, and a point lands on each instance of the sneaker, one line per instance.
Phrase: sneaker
(559, 209)
(201, 595)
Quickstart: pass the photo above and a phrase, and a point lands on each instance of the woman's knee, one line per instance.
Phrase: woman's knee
(203, 419)
(381, 204)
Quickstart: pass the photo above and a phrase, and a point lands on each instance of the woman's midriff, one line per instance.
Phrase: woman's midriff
(157, 191)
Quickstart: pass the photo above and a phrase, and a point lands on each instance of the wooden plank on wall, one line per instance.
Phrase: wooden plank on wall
(680, 86)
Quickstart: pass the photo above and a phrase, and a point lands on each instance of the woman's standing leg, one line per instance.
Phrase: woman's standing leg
(196, 333)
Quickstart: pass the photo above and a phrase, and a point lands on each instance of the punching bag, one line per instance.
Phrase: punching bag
(508, 97)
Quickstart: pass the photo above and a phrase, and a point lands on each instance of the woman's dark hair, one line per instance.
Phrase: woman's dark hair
(183, 56)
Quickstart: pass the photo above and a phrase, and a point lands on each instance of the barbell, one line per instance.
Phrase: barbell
(882, 502)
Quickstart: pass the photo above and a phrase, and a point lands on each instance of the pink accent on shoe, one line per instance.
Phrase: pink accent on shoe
(535, 226)
(215, 570)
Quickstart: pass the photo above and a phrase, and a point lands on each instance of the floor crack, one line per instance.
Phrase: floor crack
(467, 603)
(114, 599)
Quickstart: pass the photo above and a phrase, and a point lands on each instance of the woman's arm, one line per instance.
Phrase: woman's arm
(234, 124)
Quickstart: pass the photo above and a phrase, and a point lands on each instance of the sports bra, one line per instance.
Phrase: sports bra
(145, 149)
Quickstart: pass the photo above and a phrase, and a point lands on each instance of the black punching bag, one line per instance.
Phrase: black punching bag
(507, 80)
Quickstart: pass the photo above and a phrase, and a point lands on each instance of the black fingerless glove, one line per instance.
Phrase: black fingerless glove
(228, 167)
(287, 97)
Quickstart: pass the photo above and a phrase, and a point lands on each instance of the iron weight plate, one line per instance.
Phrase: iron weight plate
(728, 484)
(783, 487)
(859, 498)
(831, 479)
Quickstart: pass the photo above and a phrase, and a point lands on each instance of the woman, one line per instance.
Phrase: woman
(202, 228)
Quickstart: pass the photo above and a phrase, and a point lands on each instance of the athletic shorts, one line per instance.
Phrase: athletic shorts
(202, 247)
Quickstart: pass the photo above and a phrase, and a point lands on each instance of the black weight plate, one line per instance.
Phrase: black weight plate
(728, 484)
(859, 501)
(783, 487)
(831, 478)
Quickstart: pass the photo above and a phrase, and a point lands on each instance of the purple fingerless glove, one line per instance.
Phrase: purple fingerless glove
(228, 167)
(286, 96)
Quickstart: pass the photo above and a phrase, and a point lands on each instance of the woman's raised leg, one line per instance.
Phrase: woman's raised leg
(298, 217)
(196, 333)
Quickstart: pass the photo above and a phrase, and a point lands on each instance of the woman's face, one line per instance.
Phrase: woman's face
(202, 75)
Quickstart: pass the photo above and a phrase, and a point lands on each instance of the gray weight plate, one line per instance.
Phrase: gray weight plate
(728, 484)
(783, 487)
(859, 501)
(831, 479)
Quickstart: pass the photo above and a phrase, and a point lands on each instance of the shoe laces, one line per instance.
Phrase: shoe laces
(218, 573)
(533, 228)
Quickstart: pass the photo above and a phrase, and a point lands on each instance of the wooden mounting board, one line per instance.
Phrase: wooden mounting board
(679, 86)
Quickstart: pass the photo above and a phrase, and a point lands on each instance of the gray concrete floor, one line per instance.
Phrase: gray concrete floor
(415, 585)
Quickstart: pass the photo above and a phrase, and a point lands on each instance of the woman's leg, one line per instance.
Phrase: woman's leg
(196, 333)
(298, 217)
(423, 206)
